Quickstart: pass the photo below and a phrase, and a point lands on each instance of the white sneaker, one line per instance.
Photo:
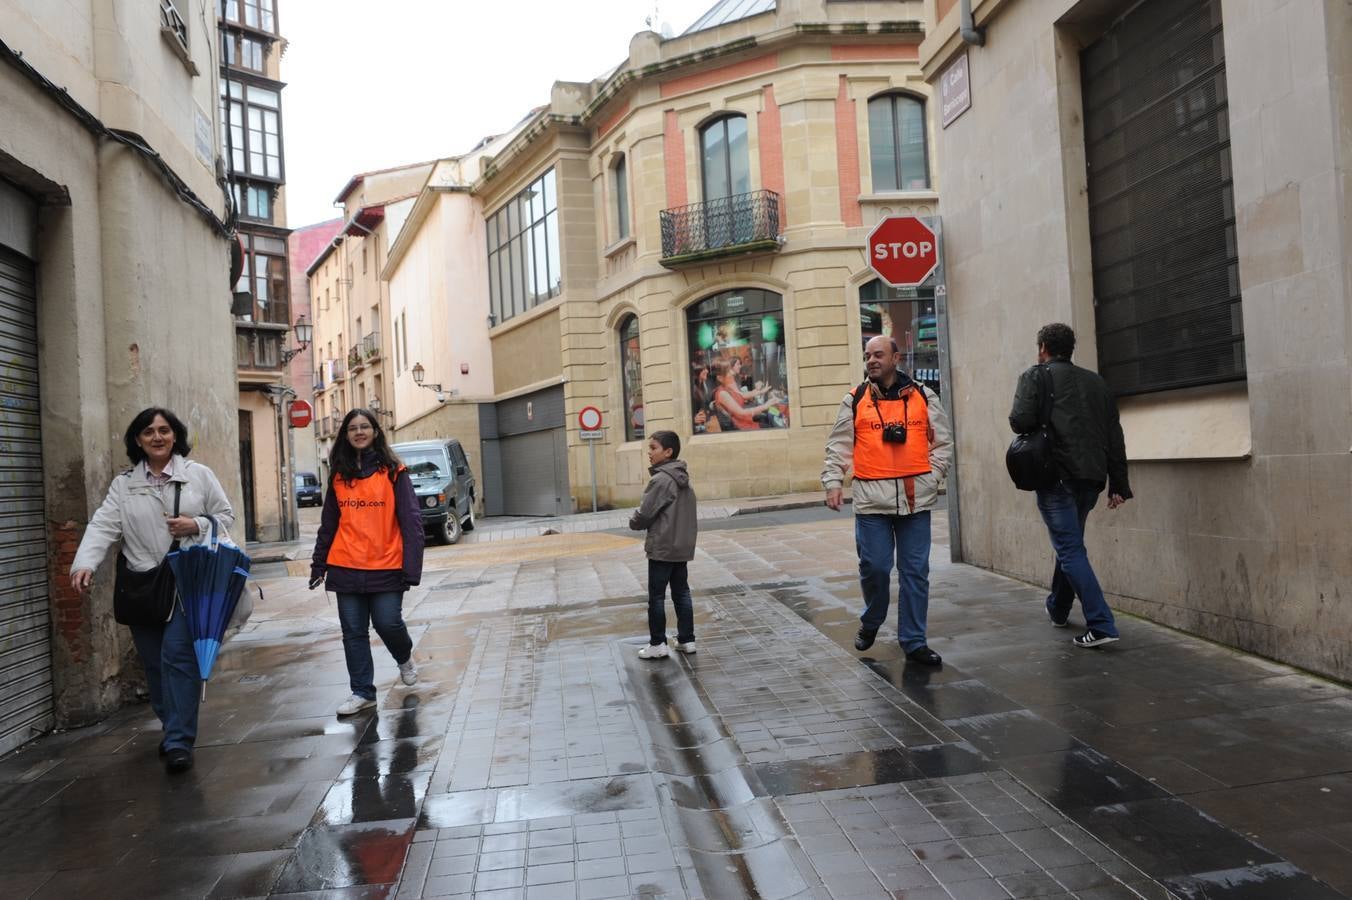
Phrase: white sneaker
(654, 651)
(408, 672)
(686, 648)
(355, 704)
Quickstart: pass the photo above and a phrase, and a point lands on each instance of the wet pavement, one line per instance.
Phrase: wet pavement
(539, 757)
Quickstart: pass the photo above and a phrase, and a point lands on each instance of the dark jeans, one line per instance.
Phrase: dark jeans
(172, 677)
(879, 540)
(358, 613)
(1065, 508)
(660, 574)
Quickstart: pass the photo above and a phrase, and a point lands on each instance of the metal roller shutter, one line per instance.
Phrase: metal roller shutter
(1161, 201)
(25, 630)
(530, 464)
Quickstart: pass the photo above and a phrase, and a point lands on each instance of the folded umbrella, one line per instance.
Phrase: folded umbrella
(210, 577)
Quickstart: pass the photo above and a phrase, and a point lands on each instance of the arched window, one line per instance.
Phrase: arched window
(631, 377)
(621, 198)
(724, 157)
(739, 377)
(896, 143)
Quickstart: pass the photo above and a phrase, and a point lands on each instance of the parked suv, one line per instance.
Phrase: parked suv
(308, 491)
(444, 485)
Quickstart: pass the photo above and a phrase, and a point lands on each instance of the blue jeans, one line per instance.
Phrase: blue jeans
(1065, 508)
(880, 539)
(357, 613)
(660, 574)
(172, 677)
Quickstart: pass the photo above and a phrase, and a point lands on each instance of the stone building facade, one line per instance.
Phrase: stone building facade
(1172, 180)
(700, 213)
(114, 282)
(350, 300)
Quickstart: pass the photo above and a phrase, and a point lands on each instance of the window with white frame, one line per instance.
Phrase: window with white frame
(251, 129)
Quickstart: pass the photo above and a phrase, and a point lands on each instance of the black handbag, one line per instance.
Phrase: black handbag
(1031, 457)
(146, 598)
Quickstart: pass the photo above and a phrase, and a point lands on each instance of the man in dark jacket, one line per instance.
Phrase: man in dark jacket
(1089, 451)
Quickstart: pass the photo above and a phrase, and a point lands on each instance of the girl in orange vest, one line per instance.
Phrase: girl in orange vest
(369, 551)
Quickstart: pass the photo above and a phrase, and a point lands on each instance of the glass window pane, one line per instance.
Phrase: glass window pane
(264, 97)
(739, 157)
(540, 246)
(739, 374)
(555, 257)
(621, 199)
(911, 126)
(882, 144)
(510, 213)
(537, 201)
(631, 371)
(550, 195)
(714, 160)
(493, 287)
(491, 228)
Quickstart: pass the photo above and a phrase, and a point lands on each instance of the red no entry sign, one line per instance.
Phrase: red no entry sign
(299, 413)
(589, 419)
(903, 251)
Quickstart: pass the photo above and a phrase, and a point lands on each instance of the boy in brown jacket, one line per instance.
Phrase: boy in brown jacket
(668, 514)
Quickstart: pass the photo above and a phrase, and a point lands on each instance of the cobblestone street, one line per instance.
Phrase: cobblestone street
(538, 756)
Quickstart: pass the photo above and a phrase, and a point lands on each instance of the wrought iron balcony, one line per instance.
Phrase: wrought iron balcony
(370, 346)
(743, 223)
(355, 361)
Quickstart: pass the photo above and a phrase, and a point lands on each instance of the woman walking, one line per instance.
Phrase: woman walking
(163, 499)
(369, 551)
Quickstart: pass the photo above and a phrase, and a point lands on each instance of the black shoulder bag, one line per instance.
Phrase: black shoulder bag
(146, 598)
(1031, 457)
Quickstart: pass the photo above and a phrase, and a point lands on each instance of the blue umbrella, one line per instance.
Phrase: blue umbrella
(210, 578)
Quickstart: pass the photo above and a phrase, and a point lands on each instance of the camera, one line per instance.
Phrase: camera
(894, 434)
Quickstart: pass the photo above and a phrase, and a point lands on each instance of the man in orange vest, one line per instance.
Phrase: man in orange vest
(895, 434)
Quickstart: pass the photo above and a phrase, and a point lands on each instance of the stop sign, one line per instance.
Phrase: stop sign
(299, 413)
(903, 251)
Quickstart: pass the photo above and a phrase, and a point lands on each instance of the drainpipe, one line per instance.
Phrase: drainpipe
(970, 33)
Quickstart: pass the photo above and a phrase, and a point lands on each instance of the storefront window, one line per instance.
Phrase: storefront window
(631, 375)
(910, 322)
(738, 371)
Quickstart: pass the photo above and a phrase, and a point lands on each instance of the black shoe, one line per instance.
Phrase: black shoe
(864, 639)
(1092, 638)
(1057, 623)
(163, 750)
(925, 656)
(179, 759)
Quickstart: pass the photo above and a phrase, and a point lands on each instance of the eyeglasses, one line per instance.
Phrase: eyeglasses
(352, 429)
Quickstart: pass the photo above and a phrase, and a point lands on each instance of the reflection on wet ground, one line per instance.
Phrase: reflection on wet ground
(539, 757)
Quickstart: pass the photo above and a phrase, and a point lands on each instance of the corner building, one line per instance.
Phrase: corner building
(701, 212)
(1172, 180)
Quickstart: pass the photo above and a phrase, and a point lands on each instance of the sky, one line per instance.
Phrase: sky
(375, 85)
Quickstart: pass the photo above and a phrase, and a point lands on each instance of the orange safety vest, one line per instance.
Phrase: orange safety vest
(368, 534)
(876, 459)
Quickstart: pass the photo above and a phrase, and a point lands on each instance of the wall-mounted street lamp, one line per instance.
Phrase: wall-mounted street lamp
(375, 407)
(419, 373)
(304, 331)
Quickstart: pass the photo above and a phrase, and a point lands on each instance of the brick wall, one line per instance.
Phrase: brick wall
(847, 157)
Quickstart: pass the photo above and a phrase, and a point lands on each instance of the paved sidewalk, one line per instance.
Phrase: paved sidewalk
(539, 757)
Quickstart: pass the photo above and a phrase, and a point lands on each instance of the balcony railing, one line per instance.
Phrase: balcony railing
(324, 426)
(743, 223)
(336, 371)
(370, 346)
(355, 361)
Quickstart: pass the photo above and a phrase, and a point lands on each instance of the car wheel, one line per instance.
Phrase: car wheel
(449, 532)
